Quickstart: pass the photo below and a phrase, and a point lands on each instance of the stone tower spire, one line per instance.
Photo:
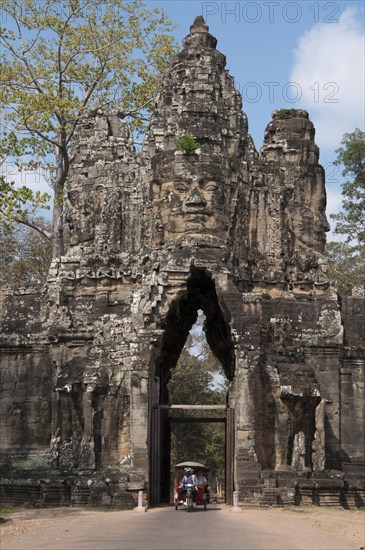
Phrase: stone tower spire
(198, 99)
(199, 35)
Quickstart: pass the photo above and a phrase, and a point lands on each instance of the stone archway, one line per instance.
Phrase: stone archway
(200, 294)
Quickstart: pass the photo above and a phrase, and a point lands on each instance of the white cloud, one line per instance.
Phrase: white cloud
(332, 53)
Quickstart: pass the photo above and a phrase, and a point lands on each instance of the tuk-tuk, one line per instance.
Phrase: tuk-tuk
(187, 495)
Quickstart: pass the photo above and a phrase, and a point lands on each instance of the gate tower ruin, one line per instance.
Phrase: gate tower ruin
(155, 236)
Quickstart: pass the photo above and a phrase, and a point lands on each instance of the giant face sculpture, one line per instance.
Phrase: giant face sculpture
(309, 220)
(189, 204)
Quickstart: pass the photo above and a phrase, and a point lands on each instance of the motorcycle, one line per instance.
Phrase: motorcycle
(188, 495)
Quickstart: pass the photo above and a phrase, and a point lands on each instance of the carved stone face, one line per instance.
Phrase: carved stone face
(311, 226)
(321, 228)
(190, 207)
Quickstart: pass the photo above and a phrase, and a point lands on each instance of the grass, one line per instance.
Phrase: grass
(11, 510)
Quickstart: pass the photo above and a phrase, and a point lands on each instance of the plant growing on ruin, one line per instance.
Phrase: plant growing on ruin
(188, 145)
(282, 113)
(60, 60)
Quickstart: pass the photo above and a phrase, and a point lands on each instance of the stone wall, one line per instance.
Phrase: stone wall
(157, 235)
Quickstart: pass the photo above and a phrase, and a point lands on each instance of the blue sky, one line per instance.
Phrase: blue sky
(283, 54)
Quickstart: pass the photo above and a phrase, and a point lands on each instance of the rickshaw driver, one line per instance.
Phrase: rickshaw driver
(189, 478)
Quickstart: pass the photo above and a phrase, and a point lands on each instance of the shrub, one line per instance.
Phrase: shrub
(187, 144)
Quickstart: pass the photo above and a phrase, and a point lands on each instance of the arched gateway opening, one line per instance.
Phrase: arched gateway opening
(200, 295)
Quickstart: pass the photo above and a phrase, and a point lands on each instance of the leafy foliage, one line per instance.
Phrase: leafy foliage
(283, 113)
(60, 60)
(347, 259)
(188, 144)
(347, 266)
(24, 255)
(17, 202)
(192, 381)
(351, 155)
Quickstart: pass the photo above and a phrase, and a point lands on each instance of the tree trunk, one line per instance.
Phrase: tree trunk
(58, 187)
(57, 223)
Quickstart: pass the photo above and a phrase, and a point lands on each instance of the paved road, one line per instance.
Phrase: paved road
(167, 529)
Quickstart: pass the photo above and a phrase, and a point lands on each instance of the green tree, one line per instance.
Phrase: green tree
(60, 60)
(351, 155)
(347, 266)
(347, 259)
(19, 204)
(192, 381)
(25, 255)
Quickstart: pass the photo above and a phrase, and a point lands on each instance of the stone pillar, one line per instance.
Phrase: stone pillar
(235, 507)
(247, 465)
(140, 507)
(319, 443)
(139, 426)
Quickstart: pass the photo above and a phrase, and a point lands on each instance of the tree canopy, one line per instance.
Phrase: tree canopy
(351, 154)
(347, 266)
(347, 259)
(25, 256)
(60, 60)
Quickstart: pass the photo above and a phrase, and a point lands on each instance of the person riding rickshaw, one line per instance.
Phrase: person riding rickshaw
(192, 486)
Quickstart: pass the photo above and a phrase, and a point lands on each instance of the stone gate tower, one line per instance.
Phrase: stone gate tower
(156, 236)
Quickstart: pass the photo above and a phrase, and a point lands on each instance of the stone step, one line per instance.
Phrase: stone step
(270, 497)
